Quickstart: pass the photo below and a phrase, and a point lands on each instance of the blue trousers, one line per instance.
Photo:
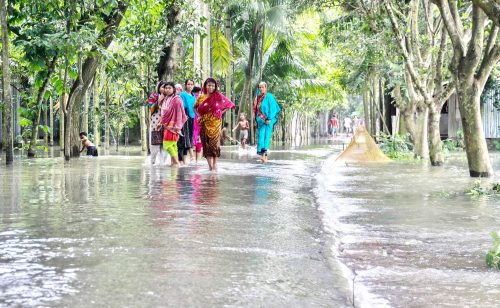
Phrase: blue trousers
(264, 137)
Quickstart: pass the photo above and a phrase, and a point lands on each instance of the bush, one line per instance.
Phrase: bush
(477, 189)
(397, 147)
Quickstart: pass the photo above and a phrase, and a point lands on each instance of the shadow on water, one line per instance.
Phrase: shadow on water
(112, 231)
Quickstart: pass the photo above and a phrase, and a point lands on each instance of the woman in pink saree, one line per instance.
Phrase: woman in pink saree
(172, 120)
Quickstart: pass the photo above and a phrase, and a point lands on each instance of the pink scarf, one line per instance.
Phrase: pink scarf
(173, 114)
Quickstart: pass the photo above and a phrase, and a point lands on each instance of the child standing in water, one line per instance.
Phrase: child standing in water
(86, 143)
(243, 126)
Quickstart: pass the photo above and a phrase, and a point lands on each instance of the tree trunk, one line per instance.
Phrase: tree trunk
(62, 126)
(7, 96)
(206, 67)
(46, 134)
(475, 142)
(97, 132)
(435, 145)
(246, 97)
(85, 77)
(167, 64)
(366, 107)
(144, 132)
(106, 118)
(39, 102)
(197, 49)
(229, 78)
(62, 107)
(421, 143)
(85, 113)
(51, 121)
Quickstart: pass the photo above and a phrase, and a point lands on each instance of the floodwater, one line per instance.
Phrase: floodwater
(113, 232)
(409, 235)
(301, 231)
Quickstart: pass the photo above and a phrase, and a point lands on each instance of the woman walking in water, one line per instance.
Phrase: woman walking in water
(266, 111)
(155, 119)
(210, 106)
(172, 120)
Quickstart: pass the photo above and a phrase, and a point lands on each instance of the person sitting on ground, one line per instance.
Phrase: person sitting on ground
(243, 126)
(86, 143)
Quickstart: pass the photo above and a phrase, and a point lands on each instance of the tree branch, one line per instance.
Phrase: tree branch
(487, 65)
(491, 39)
(451, 26)
(491, 8)
(476, 42)
(405, 51)
(438, 79)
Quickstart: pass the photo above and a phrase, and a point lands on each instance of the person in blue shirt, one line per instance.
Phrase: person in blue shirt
(266, 111)
(185, 144)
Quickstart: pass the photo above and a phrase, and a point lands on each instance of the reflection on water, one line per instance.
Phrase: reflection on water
(109, 231)
(409, 234)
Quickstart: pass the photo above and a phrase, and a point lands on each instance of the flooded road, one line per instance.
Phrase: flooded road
(301, 231)
(408, 233)
(113, 232)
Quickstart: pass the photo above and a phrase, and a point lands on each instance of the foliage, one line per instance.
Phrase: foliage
(493, 256)
(397, 147)
(452, 145)
(477, 189)
(496, 144)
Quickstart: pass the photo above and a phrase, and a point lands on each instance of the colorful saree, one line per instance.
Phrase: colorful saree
(210, 108)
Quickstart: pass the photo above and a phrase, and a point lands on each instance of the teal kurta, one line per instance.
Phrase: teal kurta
(269, 109)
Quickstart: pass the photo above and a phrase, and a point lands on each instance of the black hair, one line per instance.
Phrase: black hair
(188, 80)
(83, 134)
(226, 124)
(196, 89)
(212, 80)
(171, 84)
(158, 86)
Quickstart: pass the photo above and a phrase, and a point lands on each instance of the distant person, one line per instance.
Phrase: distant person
(178, 88)
(224, 135)
(210, 106)
(355, 123)
(266, 111)
(334, 126)
(87, 144)
(347, 125)
(243, 128)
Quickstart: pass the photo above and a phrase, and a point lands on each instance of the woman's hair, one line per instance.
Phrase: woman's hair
(171, 84)
(158, 86)
(210, 80)
(188, 80)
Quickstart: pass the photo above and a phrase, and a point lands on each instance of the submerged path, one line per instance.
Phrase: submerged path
(112, 232)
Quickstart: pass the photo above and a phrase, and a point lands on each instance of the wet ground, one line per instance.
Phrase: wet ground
(301, 231)
(113, 232)
(409, 234)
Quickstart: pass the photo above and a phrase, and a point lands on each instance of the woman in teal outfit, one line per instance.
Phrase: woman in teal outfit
(266, 111)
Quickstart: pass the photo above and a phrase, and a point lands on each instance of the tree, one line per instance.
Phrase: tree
(474, 56)
(7, 98)
(86, 73)
(425, 57)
